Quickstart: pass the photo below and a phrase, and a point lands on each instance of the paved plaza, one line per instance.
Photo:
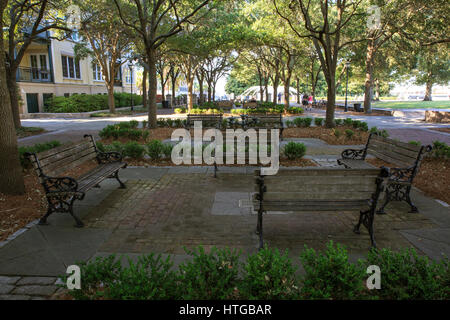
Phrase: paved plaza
(165, 209)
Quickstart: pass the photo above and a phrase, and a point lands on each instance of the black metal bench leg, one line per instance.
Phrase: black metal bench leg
(356, 228)
(215, 170)
(386, 201)
(408, 200)
(259, 229)
(43, 220)
(79, 223)
(122, 185)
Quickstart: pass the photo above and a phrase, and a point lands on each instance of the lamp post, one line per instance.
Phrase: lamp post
(130, 66)
(347, 64)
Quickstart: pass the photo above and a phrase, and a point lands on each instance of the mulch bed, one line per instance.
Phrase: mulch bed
(327, 135)
(28, 132)
(168, 163)
(432, 179)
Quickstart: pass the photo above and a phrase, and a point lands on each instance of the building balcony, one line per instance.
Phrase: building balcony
(26, 74)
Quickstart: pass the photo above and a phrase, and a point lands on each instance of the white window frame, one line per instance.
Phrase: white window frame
(127, 76)
(96, 69)
(67, 57)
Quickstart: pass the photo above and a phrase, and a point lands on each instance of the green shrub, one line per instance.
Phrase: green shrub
(89, 102)
(178, 123)
(413, 142)
(124, 125)
(145, 134)
(39, 147)
(169, 122)
(269, 275)
(133, 149)
(337, 133)
(295, 110)
(318, 121)
(441, 150)
(144, 124)
(155, 149)
(298, 122)
(363, 126)
(307, 122)
(339, 122)
(289, 123)
(349, 133)
(348, 121)
(180, 110)
(356, 124)
(212, 275)
(294, 150)
(167, 150)
(135, 134)
(405, 275)
(373, 130)
(134, 124)
(329, 275)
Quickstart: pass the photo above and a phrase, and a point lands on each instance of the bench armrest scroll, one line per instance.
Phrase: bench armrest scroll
(108, 157)
(353, 154)
(402, 174)
(59, 184)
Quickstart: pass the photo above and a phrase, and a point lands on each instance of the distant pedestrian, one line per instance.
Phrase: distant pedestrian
(305, 101)
(279, 97)
(310, 101)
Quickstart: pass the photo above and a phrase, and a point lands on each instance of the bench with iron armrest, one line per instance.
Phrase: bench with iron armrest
(61, 191)
(404, 155)
(268, 121)
(207, 120)
(320, 189)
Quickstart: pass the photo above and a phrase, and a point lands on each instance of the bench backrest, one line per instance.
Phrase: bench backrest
(270, 119)
(317, 189)
(60, 159)
(396, 152)
(206, 119)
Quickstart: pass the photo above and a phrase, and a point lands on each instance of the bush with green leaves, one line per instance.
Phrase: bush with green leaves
(406, 275)
(349, 133)
(441, 150)
(167, 150)
(155, 149)
(363, 126)
(89, 102)
(145, 134)
(318, 121)
(348, 121)
(134, 124)
(339, 122)
(212, 275)
(356, 124)
(307, 122)
(133, 150)
(303, 122)
(289, 123)
(39, 147)
(144, 123)
(269, 275)
(135, 134)
(180, 110)
(329, 275)
(337, 133)
(295, 110)
(414, 142)
(294, 150)
(373, 130)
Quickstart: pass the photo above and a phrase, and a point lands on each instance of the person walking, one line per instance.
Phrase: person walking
(310, 101)
(305, 101)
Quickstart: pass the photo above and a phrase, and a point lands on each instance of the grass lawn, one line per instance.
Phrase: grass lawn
(412, 104)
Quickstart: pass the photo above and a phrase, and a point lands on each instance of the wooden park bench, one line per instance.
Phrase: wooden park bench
(208, 120)
(268, 121)
(62, 191)
(404, 155)
(320, 189)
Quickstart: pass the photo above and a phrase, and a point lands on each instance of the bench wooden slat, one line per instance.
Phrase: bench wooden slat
(92, 178)
(401, 144)
(389, 158)
(323, 171)
(356, 164)
(69, 162)
(71, 145)
(64, 154)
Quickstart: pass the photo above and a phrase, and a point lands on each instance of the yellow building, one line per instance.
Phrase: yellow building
(49, 68)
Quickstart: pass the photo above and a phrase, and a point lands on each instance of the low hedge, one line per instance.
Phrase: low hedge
(89, 102)
(40, 147)
(267, 274)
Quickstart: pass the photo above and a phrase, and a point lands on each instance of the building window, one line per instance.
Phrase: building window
(70, 67)
(97, 72)
(66, 95)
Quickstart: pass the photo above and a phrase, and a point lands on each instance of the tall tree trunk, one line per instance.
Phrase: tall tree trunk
(331, 102)
(261, 89)
(11, 177)
(174, 83)
(214, 93)
(209, 90)
(152, 108)
(190, 102)
(275, 89)
(144, 89)
(13, 97)
(111, 101)
(298, 90)
(286, 92)
(266, 88)
(200, 79)
(428, 87)
(163, 91)
(368, 82)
